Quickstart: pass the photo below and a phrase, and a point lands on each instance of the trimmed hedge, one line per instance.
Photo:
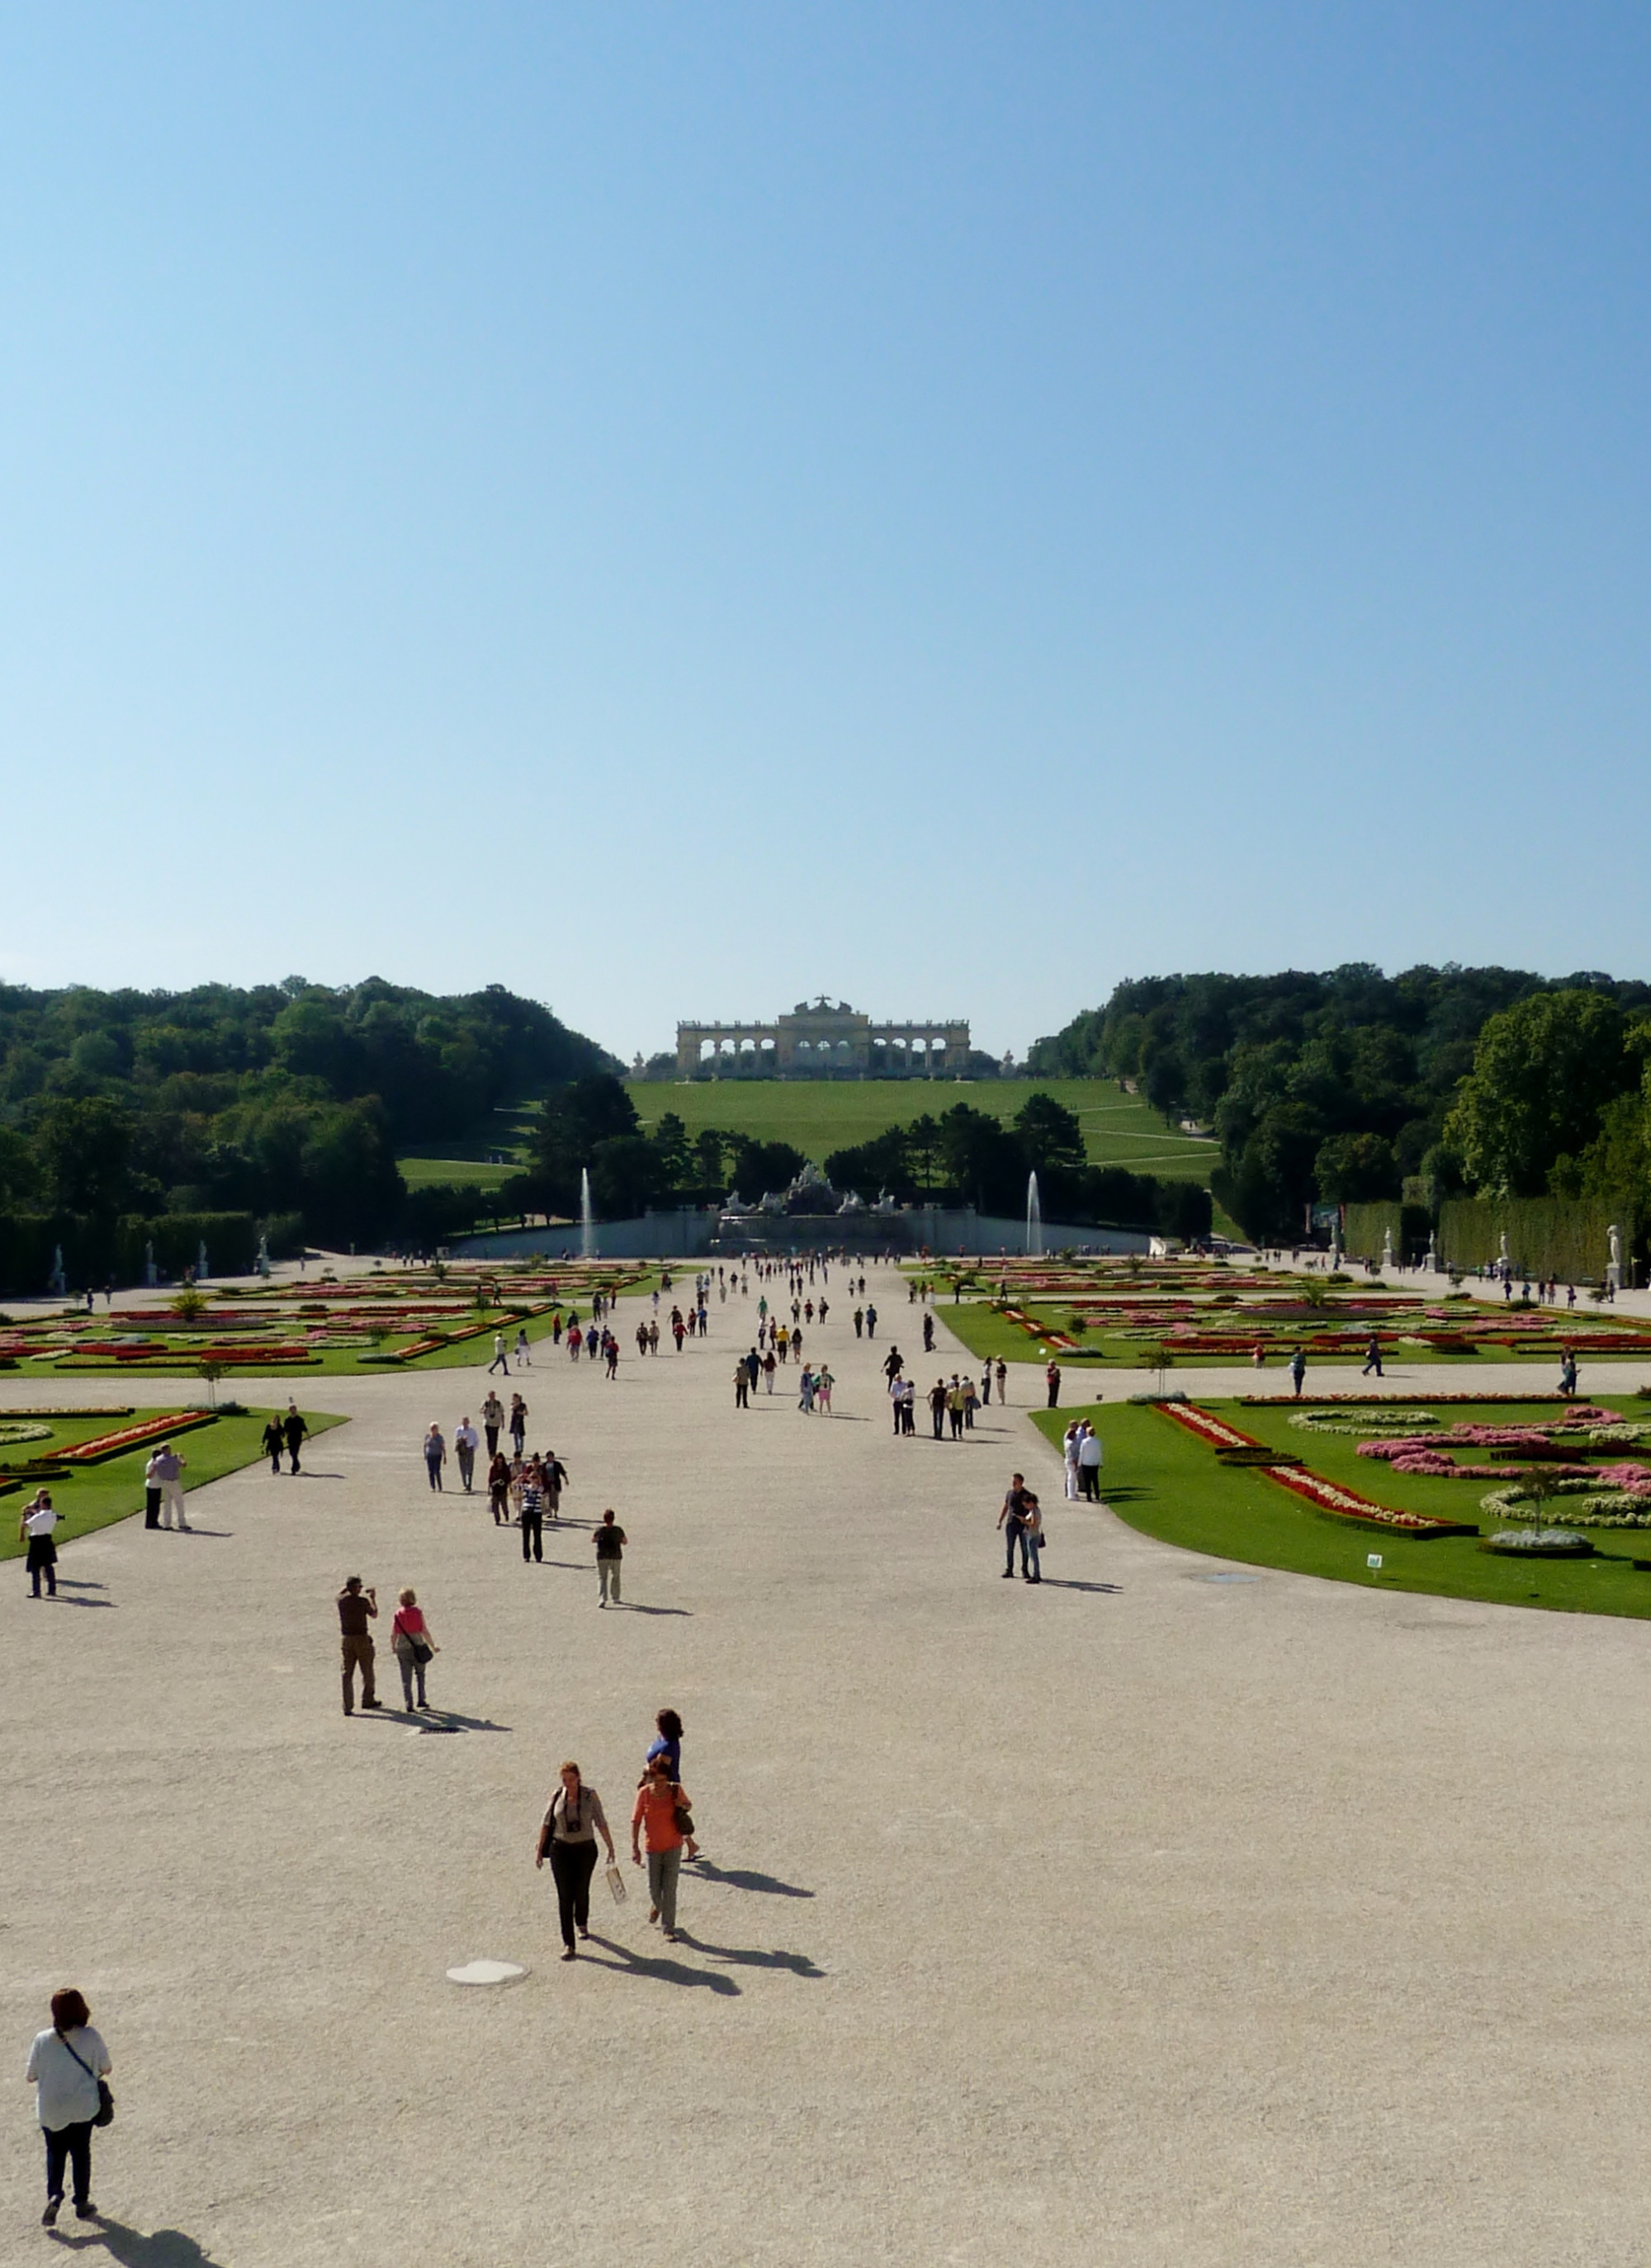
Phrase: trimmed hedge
(1566, 1237)
(97, 1251)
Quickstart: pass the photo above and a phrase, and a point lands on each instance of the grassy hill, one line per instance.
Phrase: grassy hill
(1119, 1129)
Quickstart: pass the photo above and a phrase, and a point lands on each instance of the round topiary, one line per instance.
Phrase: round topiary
(1537, 1543)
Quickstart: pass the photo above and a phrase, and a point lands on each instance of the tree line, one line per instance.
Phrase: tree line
(285, 1100)
(1351, 1085)
(961, 1156)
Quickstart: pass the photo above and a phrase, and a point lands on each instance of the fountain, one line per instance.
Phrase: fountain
(1034, 1220)
(57, 1282)
(587, 1217)
(201, 1270)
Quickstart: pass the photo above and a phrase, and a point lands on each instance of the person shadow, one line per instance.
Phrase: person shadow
(798, 1963)
(166, 2247)
(739, 1878)
(68, 1584)
(1067, 1583)
(627, 1963)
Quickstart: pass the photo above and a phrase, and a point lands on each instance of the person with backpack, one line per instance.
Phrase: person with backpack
(567, 1837)
(66, 2067)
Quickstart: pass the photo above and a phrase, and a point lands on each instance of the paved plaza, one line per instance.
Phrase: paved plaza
(1190, 1913)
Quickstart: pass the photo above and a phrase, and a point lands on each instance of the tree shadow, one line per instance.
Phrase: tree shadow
(627, 1963)
(167, 2248)
(741, 1878)
(798, 1963)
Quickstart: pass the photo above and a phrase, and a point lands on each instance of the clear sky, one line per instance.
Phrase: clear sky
(677, 508)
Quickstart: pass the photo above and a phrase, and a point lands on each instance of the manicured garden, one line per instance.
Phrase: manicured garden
(93, 1459)
(426, 1319)
(1125, 1312)
(1250, 1482)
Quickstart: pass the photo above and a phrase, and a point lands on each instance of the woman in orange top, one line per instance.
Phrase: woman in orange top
(654, 1818)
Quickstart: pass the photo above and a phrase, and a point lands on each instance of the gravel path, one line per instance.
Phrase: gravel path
(1186, 1914)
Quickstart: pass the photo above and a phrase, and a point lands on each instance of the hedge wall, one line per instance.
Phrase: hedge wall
(1364, 1226)
(98, 1251)
(1565, 1237)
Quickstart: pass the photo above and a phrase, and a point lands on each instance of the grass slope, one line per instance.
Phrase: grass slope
(108, 1492)
(1170, 1485)
(820, 1116)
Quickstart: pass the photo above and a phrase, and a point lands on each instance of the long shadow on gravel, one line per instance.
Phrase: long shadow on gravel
(739, 1878)
(167, 2248)
(744, 1957)
(667, 1972)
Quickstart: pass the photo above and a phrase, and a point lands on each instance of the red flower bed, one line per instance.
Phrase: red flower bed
(131, 1437)
(1215, 1431)
(1345, 1504)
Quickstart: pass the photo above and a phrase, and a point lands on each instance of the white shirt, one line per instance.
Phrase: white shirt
(43, 1521)
(466, 1437)
(64, 2094)
(1090, 1450)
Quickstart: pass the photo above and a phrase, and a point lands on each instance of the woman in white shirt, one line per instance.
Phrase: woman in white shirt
(64, 2067)
(38, 1523)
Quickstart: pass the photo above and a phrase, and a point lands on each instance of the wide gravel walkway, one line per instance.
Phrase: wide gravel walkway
(1187, 1914)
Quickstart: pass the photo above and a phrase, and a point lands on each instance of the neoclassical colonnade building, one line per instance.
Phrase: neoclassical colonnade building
(818, 1041)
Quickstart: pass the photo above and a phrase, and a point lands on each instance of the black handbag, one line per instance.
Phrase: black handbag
(105, 2101)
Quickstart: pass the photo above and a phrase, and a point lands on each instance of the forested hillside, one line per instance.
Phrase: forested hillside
(1354, 1086)
(287, 1100)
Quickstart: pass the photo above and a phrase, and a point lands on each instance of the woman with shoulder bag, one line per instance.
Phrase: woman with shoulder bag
(567, 1835)
(1033, 1516)
(413, 1646)
(66, 2067)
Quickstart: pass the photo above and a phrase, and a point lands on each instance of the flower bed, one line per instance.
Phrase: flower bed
(1589, 1506)
(1375, 1421)
(132, 1437)
(1345, 1504)
(1214, 1430)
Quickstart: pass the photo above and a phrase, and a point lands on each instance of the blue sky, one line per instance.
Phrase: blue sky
(676, 508)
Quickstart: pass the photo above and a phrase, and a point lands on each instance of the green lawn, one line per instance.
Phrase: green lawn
(818, 1116)
(1168, 1485)
(463, 1173)
(108, 1492)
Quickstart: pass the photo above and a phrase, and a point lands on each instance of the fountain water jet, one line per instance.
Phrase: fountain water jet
(587, 1217)
(1034, 1219)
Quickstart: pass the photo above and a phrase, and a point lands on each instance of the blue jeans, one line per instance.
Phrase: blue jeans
(1016, 1535)
(1034, 1545)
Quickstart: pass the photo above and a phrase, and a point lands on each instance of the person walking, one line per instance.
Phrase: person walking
(667, 1743)
(412, 1645)
(524, 1360)
(531, 1513)
(971, 1403)
(435, 1453)
(1298, 1371)
(518, 1424)
(822, 1385)
(492, 1422)
(35, 1529)
(771, 1364)
(274, 1441)
(658, 1817)
(357, 1609)
(1052, 1378)
(1090, 1456)
(169, 1472)
(151, 1478)
(1011, 1519)
(860, 1321)
(555, 1474)
(296, 1431)
(611, 1551)
(1371, 1358)
(870, 1323)
(955, 1407)
(928, 1334)
(1071, 1442)
(1003, 1382)
(937, 1408)
(498, 1488)
(466, 1442)
(985, 1386)
(64, 2067)
(1032, 1537)
(501, 1360)
(567, 1836)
